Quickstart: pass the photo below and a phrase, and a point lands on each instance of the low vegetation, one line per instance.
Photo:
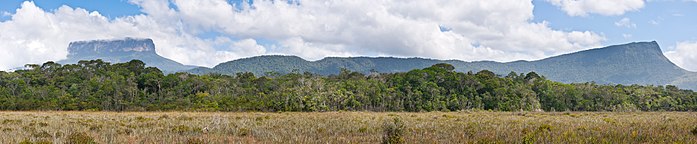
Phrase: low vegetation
(99, 86)
(348, 127)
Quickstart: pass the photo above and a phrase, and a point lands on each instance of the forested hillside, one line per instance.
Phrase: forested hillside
(97, 85)
(633, 63)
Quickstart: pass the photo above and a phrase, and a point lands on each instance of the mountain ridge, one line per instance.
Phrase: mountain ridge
(631, 63)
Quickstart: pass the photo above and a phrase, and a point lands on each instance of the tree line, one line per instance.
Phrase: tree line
(96, 85)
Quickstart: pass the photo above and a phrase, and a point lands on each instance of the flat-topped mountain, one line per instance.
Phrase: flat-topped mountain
(121, 50)
(633, 63)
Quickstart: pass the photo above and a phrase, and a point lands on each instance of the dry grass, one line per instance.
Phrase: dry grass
(348, 127)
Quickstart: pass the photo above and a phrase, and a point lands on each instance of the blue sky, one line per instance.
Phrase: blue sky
(208, 32)
(675, 21)
(109, 8)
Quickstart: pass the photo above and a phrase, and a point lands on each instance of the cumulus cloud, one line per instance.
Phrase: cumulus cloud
(625, 22)
(34, 35)
(238, 49)
(5, 13)
(499, 30)
(493, 30)
(684, 55)
(602, 7)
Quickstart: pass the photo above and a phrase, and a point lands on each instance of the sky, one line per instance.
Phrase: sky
(208, 32)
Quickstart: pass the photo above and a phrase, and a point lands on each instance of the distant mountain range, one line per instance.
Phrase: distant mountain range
(633, 63)
(121, 50)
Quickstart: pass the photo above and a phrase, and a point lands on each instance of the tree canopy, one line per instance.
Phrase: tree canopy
(131, 86)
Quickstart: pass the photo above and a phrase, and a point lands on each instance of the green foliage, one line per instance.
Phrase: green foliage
(393, 132)
(633, 63)
(195, 140)
(79, 138)
(99, 86)
(27, 141)
(183, 129)
(41, 134)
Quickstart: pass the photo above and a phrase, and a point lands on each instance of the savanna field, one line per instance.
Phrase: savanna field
(348, 127)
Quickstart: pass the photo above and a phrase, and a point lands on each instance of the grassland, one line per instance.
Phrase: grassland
(348, 127)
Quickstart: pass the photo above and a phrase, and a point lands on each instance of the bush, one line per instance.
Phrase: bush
(163, 117)
(42, 134)
(182, 129)
(363, 129)
(694, 131)
(194, 140)
(80, 138)
(243, 132)
(27, 141)
(393, 132)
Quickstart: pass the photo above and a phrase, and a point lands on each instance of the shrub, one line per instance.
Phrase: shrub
(194, 140)
(126, 131)
(163, 117)
(243, 131)
(184, 118)
(95, 127)
(181, 129)
(529, 138)
(10, 121)
(80, 138)
(142, 119)
(363, 129)
(27, 141)
(544, 128)
(393, 132)
(41, 124)
(42, 134)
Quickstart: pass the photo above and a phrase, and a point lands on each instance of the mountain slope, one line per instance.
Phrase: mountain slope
(119, 51)
(633, 63)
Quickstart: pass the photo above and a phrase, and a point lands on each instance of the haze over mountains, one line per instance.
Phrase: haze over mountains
(634, 63)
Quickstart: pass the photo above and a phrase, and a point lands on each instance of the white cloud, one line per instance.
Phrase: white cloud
(684, 55)
(498, 30)
(392, 27)
(34, 35)
(238, 49)
(625, 22)
(5, 13)
(627, 36)
(313, 51)
(602, 7)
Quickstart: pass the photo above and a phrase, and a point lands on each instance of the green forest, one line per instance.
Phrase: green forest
(96, 85)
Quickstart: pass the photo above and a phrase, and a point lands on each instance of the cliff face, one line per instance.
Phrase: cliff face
(121, 50)
(127, 46)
